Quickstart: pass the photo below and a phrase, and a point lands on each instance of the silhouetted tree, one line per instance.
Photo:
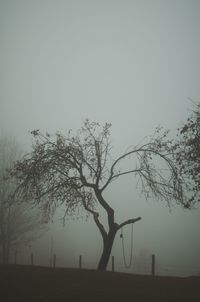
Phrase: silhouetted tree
(75, 171)
(18, 223)
(187, 152)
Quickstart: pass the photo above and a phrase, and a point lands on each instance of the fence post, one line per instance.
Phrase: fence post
(54, 260)
(80, 262)
(15, 257)
(31, 258)
(51, 252)
(153, 265)
(113, 264)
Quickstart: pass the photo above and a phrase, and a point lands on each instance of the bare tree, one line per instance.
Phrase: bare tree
(187, 155)
(19, 225)
(75, 171)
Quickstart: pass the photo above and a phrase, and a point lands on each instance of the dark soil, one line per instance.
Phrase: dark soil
(41, 284)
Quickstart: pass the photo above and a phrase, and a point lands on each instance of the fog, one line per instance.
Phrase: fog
(134, 64)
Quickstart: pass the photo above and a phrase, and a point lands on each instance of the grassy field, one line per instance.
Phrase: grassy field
(41, 284)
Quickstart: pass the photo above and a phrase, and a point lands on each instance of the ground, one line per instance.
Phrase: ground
(41, 284)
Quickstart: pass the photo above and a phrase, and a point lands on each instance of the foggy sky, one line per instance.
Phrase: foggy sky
(132, 63)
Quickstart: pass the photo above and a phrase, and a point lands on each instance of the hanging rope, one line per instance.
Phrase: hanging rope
(127, 265)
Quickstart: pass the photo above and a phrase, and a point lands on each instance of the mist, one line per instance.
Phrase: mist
(134, 64)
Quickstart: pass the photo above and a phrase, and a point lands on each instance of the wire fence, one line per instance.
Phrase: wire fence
(152, 266)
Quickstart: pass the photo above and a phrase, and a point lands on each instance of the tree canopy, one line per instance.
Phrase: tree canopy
(187, 152)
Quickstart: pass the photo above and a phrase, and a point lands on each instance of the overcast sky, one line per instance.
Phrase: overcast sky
(133, 63)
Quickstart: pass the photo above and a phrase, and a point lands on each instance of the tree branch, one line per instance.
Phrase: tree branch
(105, 205)
(126, 172)
(95, 217)
(128, 222)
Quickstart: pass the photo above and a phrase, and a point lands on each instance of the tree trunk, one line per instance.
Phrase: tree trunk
(107, 247)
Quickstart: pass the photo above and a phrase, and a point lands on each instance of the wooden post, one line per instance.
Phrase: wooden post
(54, 260)
(51, 252)
(15, 257)
(153, 266)
(80, 262)
(31, 258)
(113, 264)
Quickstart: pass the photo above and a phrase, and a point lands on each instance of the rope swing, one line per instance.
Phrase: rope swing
(127, 264)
